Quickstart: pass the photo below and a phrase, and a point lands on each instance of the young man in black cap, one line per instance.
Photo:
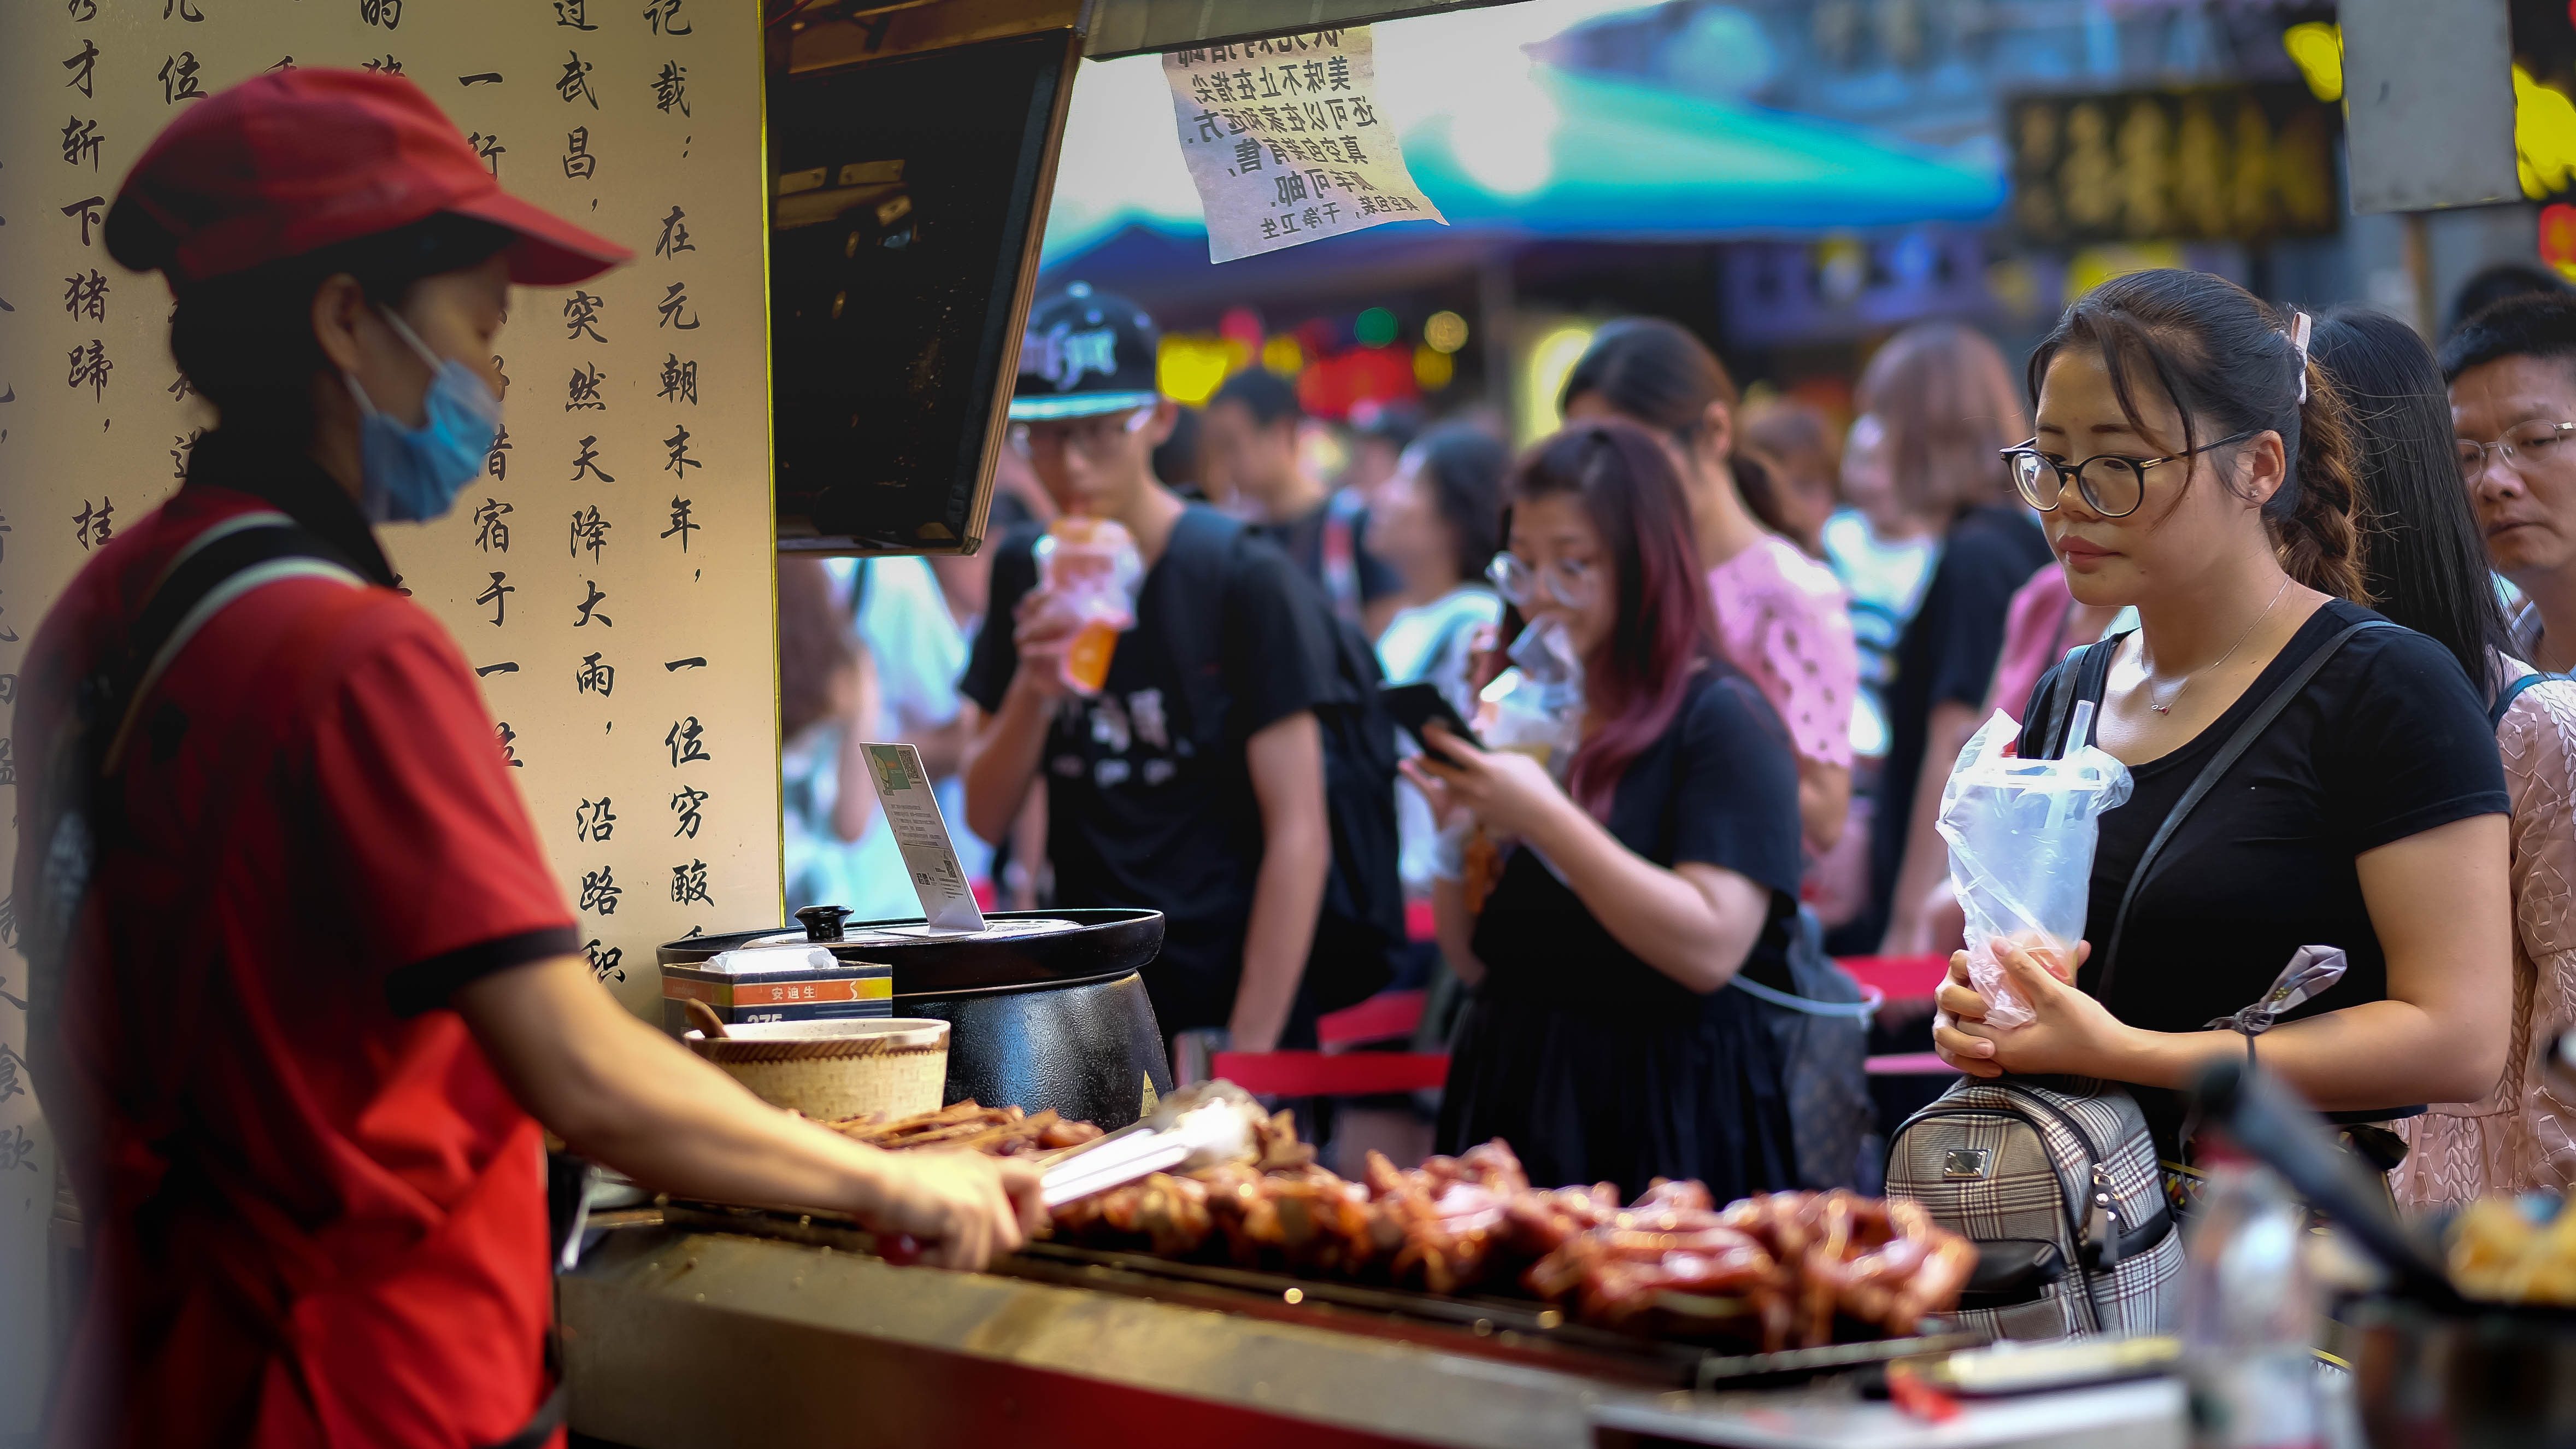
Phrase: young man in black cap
(1220, 822)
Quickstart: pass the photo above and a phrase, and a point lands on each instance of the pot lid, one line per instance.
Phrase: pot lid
(1019, 948)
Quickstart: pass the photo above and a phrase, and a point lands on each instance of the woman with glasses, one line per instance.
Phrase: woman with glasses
(2427, 569)
(1782, 618)
(1601, 1043)
(2191, 461)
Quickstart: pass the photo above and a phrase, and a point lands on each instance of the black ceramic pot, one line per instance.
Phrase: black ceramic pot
(1089, 1049)
(1056, 1020)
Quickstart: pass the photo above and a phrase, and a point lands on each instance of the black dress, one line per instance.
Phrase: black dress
(1592, 1064)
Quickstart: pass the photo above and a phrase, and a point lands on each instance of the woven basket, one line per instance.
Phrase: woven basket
(828, 1070)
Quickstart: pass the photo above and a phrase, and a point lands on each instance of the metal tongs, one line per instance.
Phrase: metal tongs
(1204, 1125)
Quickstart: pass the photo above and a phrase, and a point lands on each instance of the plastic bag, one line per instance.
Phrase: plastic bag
(1535, 707)
(2021, 836)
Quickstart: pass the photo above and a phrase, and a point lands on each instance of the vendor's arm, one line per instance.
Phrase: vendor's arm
(2440, 904)
(428, 843)
(621, 1093)
(1287, 763)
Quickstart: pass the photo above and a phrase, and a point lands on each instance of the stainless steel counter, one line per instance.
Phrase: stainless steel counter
(692, 1336)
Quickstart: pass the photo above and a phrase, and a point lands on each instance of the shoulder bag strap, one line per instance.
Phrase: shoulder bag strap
(2504, 701)
(2237, 744)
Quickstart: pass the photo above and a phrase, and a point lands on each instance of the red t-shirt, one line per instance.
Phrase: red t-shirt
(316, 1215)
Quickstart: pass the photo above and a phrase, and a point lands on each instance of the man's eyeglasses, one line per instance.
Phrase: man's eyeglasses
(2111, 484)
(1528, 586)
(1092, 437)
(2523, 443)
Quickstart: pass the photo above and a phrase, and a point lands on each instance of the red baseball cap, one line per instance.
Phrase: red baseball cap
(291, 162)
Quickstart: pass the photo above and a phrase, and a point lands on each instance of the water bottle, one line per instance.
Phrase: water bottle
(2249, 1314)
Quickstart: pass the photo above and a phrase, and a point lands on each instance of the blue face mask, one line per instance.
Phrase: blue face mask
(414, 474)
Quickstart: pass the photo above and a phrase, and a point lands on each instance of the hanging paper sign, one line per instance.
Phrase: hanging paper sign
(1286, 142)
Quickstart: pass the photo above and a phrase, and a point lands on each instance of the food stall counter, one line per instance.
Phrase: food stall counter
(684, 1329)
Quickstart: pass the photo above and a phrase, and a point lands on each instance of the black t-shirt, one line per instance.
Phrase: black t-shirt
(1137, 817)
(1947, 655)
(2388, 740)
(1719, 787)
(1302, 539)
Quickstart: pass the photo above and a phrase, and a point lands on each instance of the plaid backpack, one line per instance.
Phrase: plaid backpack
(2056, 1179)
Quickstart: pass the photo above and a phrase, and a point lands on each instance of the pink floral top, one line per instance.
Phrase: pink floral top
(1784, 620)
(2523, 1136)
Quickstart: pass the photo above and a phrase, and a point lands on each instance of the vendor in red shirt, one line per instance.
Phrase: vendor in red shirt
(323, 987)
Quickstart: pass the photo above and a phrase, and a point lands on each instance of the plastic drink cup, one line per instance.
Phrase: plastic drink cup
(2021, 836)
(1091, 568)
(1086, 660)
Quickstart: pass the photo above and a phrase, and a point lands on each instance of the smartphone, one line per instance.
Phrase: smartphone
(1416, 705)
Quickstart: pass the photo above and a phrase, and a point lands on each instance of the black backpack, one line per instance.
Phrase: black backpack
(1362, 923)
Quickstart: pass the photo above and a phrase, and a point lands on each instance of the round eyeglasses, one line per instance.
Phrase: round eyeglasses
(1528, 586)
(2111, 484)
(2522, 444)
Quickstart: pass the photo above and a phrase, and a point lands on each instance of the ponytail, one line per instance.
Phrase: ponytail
(2315, 517)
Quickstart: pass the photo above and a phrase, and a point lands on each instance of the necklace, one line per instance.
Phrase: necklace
(2165, 705)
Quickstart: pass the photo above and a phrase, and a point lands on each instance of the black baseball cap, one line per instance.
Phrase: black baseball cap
(1085, 353)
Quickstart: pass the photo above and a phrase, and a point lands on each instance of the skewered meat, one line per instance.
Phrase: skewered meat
(999, 1131)
(1451, 1213)
(1167, 1216)
(1304, 1219)
(1543, 1222)
(1800, 1261)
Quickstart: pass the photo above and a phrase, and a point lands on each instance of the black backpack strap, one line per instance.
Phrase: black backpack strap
(2082, 674)
(2511, 692)
(220, 565)
(2219, 764)
(1199, 557)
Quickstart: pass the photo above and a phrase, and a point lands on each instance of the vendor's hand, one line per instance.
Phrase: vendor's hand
(1042, 632)
(2071, 1033)
(966, 1208)
(1508, 791)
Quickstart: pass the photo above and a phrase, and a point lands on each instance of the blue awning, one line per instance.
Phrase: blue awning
(1615, 160)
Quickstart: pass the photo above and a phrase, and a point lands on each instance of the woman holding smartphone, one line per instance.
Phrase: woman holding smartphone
(1601, 1042)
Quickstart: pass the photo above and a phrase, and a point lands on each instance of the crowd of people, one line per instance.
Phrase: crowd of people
(1767, 634)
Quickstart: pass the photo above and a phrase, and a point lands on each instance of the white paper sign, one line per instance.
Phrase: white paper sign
(1286, 142)
(912, 813)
